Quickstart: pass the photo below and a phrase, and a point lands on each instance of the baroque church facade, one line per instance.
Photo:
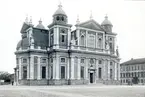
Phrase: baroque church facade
(60, 56)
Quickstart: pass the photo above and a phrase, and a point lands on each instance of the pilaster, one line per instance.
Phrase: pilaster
(72, 67)
(115, 71)
(32, 67)
(118, 71)
(20, 69)
(78, 37)
(86, 38)
(57, 67)
(97, 70)
(104, 70)
(78, 69)
(38, 69)
(108, 69)
(68, 66)
(86, 69)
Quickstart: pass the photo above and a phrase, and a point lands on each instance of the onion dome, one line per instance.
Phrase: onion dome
(106, 21)
(59, 11)
(40, 26)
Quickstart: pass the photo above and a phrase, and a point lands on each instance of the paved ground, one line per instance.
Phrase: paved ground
(72, 91)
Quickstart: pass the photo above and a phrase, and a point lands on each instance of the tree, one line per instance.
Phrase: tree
(5, 76)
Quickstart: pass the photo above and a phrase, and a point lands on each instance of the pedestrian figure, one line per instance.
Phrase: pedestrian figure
(12, 83)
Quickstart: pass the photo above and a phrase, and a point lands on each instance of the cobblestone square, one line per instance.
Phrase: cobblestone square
(72, 91)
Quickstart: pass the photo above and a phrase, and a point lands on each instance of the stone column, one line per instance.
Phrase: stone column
(20, 69)
(56, 37)
(118, 71)
(96, 41)
(108, 69)
(68, 66)
(57, 67)
(78, 77)
(87, 38)
(104, 70)
(32, 67)
(47, 69)
(38, 69)
(103, 41)
(115, 71)
(72, 67)
(69, 36)
(86, 70)
(78, 36)
(97, 70)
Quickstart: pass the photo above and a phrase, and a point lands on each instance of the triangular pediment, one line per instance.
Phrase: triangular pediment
(91, 24)
(25, 26)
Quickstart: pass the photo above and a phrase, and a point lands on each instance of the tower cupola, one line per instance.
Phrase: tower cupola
(60, 16)
(107, 25)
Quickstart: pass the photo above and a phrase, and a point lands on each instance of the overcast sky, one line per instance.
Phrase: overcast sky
(127, 17)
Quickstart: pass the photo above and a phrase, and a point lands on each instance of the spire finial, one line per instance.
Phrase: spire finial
(106, 17)
(91, 16)
(60, 5)
(26, 20)
(78, 21)
(40, 21)
(30, 22)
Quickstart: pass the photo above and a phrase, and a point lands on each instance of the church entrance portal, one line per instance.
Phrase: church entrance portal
(91, 77)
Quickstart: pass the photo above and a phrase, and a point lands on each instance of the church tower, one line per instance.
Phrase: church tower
(59, 29)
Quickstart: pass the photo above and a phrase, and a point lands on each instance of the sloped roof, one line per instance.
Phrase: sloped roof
(91, 24)
(134, 61)
(24, 27)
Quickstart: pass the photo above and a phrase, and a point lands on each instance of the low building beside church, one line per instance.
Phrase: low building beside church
(58, 56)
(133, 71)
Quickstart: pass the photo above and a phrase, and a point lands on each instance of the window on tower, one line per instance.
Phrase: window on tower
(24, 72)
(82, 40)
(43, 72)
(82, 72)
(57, 18)
(62, 38)
(62, 72)
(62, 18)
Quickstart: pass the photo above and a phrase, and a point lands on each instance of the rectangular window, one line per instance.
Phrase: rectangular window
(51, 72)
(24, 60)
(51, 60)
(111, 73)
(62, 60)
(62, 38)
(24, 72)
(82, 60)
(82, 72)
(35, 59)
(51, 40)
(62, 72)
(43, 72)
(100, 62)
(43, 60)
(17, 60)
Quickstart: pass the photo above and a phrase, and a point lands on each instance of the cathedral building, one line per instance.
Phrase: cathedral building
(61, 56)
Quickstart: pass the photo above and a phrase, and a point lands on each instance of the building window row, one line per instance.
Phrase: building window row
(133, 74)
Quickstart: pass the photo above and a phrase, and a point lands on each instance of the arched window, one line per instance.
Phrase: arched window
(57, 18)
(100, 43)
(62, 18)
(82, 40)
